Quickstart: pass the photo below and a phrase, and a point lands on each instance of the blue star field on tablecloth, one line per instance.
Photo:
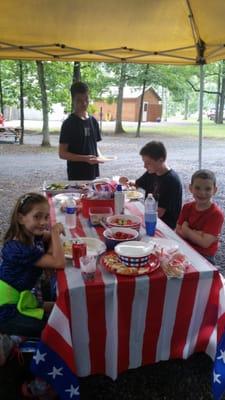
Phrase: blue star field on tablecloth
(50, 366)
(218, 385)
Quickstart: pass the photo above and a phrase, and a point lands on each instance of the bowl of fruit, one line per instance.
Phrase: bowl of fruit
(124, 221)
(115, 235)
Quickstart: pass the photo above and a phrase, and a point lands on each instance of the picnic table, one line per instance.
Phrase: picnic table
(10, 134)
(120, 322)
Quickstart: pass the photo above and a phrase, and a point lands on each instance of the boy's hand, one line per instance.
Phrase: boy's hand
(123, 180)
(91, 159)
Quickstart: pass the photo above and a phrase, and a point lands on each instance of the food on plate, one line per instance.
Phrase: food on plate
(120, 236)
(133, 195)
(67, 247)
(67, 186)
(55, 186)
(115, 235)
(123, 222)
(113, 264)
(127, 220)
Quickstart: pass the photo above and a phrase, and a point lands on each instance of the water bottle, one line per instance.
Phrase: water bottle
(70, 217)
(119, 200)
(150, 215)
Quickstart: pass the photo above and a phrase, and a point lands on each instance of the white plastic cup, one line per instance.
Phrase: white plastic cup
(88, 267)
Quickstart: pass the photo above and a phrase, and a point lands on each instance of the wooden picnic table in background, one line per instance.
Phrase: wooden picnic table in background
(13, 134)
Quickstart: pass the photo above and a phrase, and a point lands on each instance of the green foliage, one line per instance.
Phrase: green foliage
(180, 83)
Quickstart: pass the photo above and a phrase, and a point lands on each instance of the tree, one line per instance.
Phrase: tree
(21, 100)
(44, 102)
(1, 93)
(141, 102)
(118, 127)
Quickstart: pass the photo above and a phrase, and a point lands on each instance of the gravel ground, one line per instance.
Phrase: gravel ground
(23, 168)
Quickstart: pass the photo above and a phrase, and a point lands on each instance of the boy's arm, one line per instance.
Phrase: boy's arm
(197, 237)
(178, 230)
(67, 155)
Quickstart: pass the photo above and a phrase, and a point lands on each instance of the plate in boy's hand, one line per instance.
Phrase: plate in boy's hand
(106, 158)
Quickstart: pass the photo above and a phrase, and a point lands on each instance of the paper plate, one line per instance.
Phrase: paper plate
(107, 158)
(101, 180)
(134, 195)
(65, 197)
(95, 246)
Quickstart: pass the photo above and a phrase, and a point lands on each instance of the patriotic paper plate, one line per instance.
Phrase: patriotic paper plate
(112, 263)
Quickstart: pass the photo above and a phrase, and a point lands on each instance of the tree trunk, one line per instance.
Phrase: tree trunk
(141, 102)
(186, 104)
(164, 97)
(76, 72)
(21, 101)
(1, 92)
(221, 104)
(118, 127)
(76, 76)
(44, 102)
(219, 94)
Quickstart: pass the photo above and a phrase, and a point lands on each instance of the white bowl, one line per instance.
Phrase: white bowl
(133, 253)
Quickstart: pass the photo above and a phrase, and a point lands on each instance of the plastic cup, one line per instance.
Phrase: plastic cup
(88, 267)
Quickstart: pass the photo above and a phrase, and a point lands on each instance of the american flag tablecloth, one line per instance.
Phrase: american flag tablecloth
(117, 322)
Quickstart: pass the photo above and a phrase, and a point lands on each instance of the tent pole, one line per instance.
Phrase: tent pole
(200, 114)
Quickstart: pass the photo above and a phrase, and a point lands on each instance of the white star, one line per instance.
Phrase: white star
(39, 357)
(55, 372)
(216, 377)
(222, 356)
(73, 391)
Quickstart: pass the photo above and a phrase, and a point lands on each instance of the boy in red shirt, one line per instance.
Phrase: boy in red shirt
(200, 221)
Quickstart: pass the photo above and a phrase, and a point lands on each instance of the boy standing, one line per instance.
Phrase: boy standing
(201, 220)
(79, 136)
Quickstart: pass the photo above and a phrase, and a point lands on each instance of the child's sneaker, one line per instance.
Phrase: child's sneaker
(6, 345)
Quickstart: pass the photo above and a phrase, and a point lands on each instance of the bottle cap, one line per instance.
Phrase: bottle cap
(119, 188)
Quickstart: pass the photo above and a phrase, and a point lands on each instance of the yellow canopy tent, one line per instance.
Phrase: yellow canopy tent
(141, 31)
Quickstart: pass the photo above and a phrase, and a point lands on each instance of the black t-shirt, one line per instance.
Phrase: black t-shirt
(82, 137)
(167, 190)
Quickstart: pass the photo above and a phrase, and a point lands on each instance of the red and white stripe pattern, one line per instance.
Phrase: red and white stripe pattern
(118, 322)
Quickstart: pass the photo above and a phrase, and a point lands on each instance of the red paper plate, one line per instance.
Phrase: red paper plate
(111, 263)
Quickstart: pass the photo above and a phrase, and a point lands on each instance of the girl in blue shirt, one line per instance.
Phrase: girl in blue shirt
(29, 247)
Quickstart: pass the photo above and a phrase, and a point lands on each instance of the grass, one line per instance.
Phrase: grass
(184, 128)
(180, 128)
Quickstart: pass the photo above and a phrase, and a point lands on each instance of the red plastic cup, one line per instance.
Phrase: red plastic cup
(79, 249)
